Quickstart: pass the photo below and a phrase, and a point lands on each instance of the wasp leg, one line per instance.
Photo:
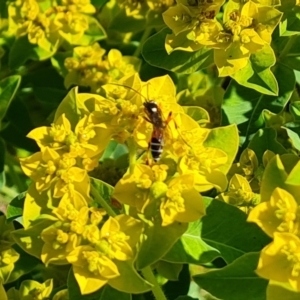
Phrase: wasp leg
(170, 118)
(147, 120)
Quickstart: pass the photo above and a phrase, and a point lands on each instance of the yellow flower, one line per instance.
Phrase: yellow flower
(31, 289)
(240, 193)
(94, 265)
(59, 240)
(181, 202)
(250, 28)
(280, 214)
(91, 268)
(41, 167)
(280, 260)
(48, 168)
(8, 257)
(89, 67)
(84, 142)
(204, 162)
(193, 25)
(116, 240)
(83, 6)
(55, 137)
(176, 198)
(134, 189)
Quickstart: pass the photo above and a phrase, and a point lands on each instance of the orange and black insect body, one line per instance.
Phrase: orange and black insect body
(155, 117)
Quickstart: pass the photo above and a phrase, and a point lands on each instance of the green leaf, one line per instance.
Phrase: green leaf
(2, 292)
(168, 270)
(21, 51)
(30, 239)
(295, 110)
(225, 228)
(155, 54)
(293, 137)
(15, 207)
(68, 106)
(190, 248)
(290, 22)
(124, 24)
(24, 265)
(94, 33)
(276, 175)
(105, 191)
(236, 281)
(197, 113)
(186, 298)
(173, 289)
(98, 3)
(294, 175)
(289, 53)
(114, 150)
(58, 62)
(129, 280)
(244, 106)
(227, 139)
(266, 139)
(257, 74)
(106, 292)
(8, 89)
(280, 290)
(159, 240)
(2, 161)
(2, 180)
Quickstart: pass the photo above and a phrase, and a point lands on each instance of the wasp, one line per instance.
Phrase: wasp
(155, 117)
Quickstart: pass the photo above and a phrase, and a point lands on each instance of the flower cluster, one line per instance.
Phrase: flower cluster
(49, 23)
(278, 216)
(8, 255)
(138, 8)
(30, 289)
(62, 205)
(246, 29)
(89, 67)
(245, 180)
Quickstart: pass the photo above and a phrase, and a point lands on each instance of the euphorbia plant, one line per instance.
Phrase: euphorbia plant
(159, 145)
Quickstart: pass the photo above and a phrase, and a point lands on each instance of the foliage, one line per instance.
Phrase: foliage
(145, 143)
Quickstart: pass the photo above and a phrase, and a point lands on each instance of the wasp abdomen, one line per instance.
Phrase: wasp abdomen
(156, 148)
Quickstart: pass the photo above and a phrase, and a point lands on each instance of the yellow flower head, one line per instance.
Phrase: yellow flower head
(89, 67)
(8, 257)
(176, 198)
(280, 260)
(95, 264)
(280, 214)
(59, 240)
(31, 289)
(41, 167)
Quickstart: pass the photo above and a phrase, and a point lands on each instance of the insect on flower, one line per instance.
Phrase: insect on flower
(154, 116)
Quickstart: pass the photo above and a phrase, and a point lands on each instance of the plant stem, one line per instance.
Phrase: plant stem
(156, 289)
(145, 35)
(102, 202)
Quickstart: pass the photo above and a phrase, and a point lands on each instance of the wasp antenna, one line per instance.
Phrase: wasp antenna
(130, 88)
